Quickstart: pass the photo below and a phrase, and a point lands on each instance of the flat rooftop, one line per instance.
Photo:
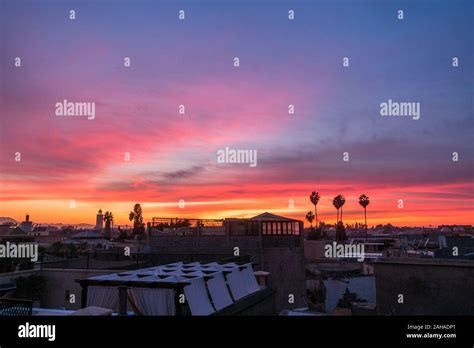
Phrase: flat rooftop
(425, 261)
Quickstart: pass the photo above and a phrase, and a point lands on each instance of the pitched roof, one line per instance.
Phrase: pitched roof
(269, 216)
(87, 234)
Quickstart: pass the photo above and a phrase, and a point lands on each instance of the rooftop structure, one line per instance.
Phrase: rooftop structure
(274, 244)
(176, 289)
(26, 226)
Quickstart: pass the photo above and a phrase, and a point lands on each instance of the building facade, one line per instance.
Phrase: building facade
(273, 243)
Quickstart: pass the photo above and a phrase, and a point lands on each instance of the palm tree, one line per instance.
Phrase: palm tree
(336, 205)
(310, 218)
(342, 201)
(338, 202)
(364, 202)
(109, 220)
(136, 216)
(314, 198)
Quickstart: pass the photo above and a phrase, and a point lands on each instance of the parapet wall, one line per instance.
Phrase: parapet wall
(426, 286)
(201, 244)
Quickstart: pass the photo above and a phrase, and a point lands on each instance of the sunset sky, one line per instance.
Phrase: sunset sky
(282, 62)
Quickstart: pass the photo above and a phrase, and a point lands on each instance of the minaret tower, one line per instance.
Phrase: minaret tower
(99, 221)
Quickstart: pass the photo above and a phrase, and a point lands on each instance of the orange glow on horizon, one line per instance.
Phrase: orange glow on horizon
(383, 210)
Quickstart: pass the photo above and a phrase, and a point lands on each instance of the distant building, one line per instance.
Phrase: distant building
(7, 228)
(19, 233)
(99, 224)
(26, 226)
(43, 230)
(455, 228)
(455, 247)
(93, 240)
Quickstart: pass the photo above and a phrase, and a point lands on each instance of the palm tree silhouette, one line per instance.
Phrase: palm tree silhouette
(310, 218)
(109, 220)
(314, 198)
(364, 202)
(137, 217)
(342, 201)
(338, 202)
(336, 205)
